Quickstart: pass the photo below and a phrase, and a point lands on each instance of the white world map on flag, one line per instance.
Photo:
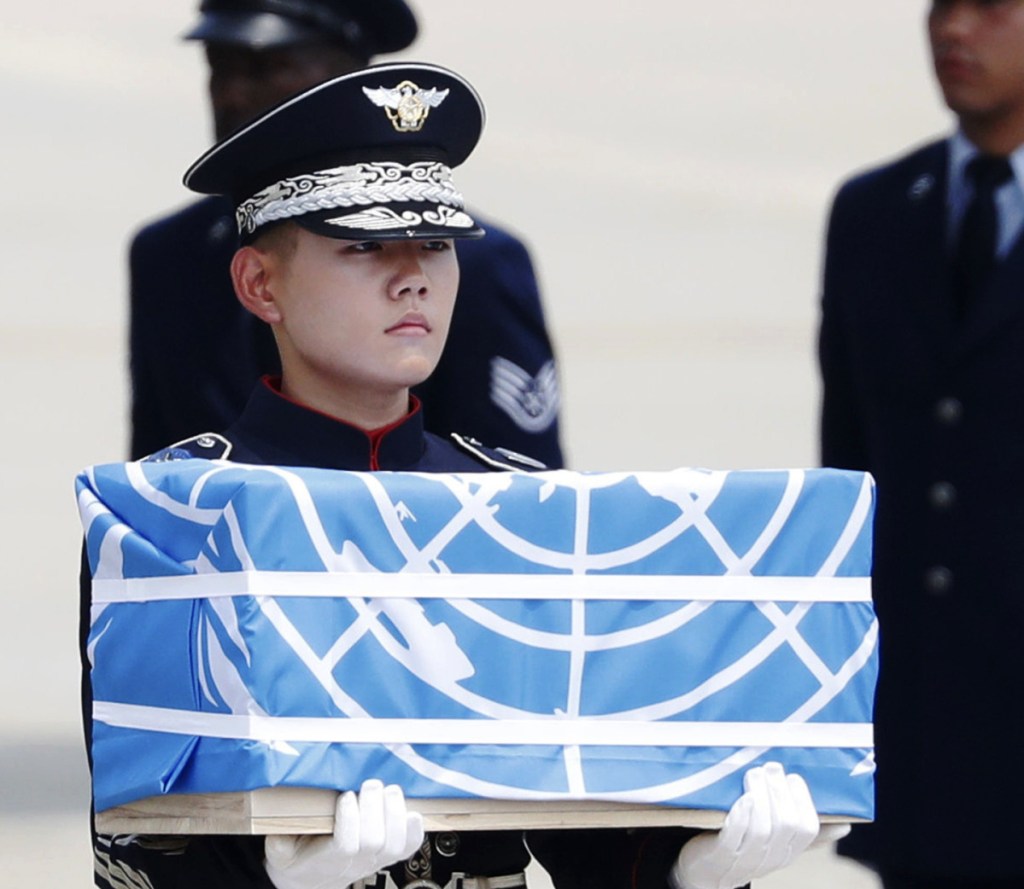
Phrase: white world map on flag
(639, 637)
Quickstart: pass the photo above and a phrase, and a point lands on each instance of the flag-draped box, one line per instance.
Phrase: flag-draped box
(639, 637)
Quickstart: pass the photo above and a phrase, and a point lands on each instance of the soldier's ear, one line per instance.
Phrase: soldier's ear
(251, 274)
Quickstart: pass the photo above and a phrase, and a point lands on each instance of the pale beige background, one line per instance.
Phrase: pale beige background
(670, 162)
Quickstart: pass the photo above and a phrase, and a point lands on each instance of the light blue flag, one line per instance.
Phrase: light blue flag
(638, 637)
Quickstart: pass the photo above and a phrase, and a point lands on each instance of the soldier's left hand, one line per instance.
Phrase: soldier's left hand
(766, 829)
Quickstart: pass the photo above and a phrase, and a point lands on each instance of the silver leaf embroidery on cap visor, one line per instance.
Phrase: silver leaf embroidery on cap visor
(358, 185)
(384, 218)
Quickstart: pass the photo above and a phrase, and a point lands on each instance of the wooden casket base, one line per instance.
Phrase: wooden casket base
(302, 810)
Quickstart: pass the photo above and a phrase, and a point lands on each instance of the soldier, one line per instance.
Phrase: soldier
(348, 217)
(195, 353)
(920, 329)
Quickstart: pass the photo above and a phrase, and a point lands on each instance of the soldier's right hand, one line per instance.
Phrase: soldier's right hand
(371, 831)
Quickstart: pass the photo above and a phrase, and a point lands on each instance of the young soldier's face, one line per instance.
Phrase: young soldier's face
(362, 317)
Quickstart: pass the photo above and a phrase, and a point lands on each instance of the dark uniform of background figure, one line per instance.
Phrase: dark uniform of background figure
(922, 387)
(274, 430)
(196, 353)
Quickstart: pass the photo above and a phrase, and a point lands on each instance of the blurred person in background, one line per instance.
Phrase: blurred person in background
(195, 353)
(922, 360)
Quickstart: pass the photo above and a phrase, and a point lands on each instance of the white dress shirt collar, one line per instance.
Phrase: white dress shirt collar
(1009, 198)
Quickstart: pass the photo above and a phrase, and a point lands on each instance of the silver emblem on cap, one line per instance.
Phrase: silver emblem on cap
(407, 105)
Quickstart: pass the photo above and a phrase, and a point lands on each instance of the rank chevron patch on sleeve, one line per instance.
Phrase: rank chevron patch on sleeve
(531, 401)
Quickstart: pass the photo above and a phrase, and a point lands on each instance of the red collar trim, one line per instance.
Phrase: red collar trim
(374, 435)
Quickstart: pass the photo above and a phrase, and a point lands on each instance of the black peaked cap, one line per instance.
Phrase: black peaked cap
(352, 119)
(368, 26)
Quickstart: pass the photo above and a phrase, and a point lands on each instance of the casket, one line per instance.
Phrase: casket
(552, 647)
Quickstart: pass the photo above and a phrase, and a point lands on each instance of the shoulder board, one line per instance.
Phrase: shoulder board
(208, 446)
(496, 458)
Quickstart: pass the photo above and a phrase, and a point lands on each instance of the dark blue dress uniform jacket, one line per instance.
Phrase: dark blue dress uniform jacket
(274, 430)
(196, 353)
(935, 412)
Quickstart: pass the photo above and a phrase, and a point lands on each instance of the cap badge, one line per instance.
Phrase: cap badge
(407, 105)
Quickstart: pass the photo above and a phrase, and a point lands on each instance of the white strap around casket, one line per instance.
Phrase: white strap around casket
(407, 585)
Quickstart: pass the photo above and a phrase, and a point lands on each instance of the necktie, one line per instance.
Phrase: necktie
(975, 252)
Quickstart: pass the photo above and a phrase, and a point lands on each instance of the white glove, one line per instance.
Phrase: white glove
(371, 831)
(766, 829)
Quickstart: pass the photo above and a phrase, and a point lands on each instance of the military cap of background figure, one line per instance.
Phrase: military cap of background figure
(369, 27)
(365, 156)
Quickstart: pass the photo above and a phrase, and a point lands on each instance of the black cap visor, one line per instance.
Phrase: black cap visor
(418, 220)
(256, 30)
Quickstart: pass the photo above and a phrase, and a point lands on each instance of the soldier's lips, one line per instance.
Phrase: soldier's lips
(413, 324)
